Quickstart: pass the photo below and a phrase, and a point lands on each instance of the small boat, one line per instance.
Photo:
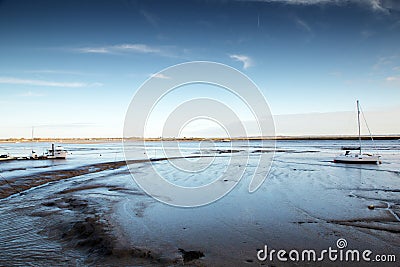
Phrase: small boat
(5, 157)
(57, 152)
(358, 158)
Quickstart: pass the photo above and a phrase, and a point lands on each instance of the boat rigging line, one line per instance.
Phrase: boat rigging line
(369, 131)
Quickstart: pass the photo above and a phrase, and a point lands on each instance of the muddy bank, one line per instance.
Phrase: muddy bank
(77, 224)
(15, 185)
(75, 218)
(10, 186)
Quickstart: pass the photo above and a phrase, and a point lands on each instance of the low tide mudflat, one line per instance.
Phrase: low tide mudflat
(87, 209)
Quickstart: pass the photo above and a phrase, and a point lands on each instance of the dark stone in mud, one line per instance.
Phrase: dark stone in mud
(191, 255)
(223, 151)
(49, 204)
(302, 222)
(140, 253)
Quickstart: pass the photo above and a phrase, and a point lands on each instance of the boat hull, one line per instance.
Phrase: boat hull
(363, 159)
(62, 154)
(56, 152)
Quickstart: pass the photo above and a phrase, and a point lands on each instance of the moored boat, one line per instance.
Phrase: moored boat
(57, 152)
(358, 158)
(364, 158)
(4, 157)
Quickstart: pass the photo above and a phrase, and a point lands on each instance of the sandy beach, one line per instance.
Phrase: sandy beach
(88, 211)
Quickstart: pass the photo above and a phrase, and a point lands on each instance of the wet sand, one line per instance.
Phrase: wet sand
(96, 215)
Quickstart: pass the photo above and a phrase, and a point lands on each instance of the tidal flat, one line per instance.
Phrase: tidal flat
(88, 210)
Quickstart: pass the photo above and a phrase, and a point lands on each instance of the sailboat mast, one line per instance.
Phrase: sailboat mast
(359, 126)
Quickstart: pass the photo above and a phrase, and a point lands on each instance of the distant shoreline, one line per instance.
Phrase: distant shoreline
(188, 139)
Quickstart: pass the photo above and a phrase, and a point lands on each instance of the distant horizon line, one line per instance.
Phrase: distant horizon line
(252, 138)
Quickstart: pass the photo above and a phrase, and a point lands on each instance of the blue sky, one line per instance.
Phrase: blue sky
(70, 68)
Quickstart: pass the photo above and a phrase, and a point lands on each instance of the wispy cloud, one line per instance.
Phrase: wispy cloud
(11, 80)
(294, 2)
(121, 48)
(160, 76)
(95, 50)
(366, 33)
(336, 73)
(139, 48)
(377, 5)
(303, 25)
(150, 18)
(44, 71)
(30, 94)
(383, 62)
(393, 79)
(246, 60)
(383, 6)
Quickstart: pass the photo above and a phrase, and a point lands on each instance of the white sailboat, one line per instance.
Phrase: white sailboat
(360, 157)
